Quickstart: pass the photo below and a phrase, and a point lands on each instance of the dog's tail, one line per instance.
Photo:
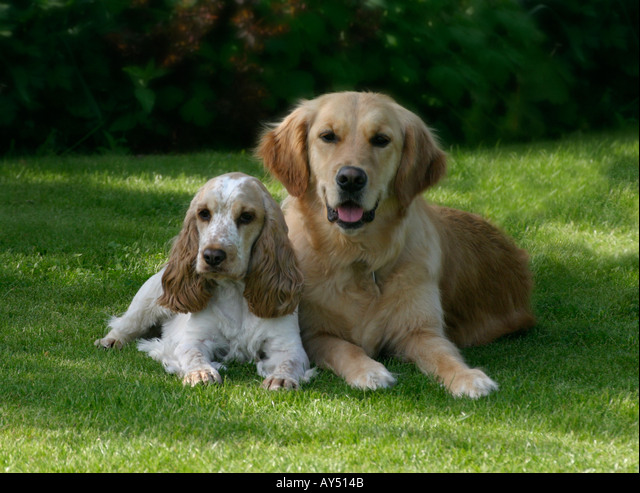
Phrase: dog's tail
(158, 349)
(309, 374)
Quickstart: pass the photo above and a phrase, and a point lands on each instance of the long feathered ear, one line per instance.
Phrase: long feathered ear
(274, 283)
(422, 164)
(283, 150)
(184, 291)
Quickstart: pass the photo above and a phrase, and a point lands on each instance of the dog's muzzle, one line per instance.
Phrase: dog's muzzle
(351, 181)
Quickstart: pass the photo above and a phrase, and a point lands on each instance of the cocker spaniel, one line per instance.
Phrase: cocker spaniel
(385, 271)
(229, 291)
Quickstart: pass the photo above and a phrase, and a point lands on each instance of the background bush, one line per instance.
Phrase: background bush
(164, 75)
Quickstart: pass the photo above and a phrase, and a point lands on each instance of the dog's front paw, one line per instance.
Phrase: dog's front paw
(472, 383)
(274, 382)
(109, 342)
(375, 376)
(204, 376)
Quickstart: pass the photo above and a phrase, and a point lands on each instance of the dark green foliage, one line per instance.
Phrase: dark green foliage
(597, 42)
(160, 75)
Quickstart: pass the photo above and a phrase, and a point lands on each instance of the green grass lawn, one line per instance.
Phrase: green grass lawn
(79, 236)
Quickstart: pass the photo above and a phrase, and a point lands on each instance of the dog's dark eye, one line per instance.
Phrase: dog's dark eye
(204, 215)
(246, 217)
(379, 140)
(329, 137)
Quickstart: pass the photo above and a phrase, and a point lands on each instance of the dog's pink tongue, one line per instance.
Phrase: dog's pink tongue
(350, 213)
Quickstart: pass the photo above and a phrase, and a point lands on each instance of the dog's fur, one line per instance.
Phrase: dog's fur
(385, 271)
(229, 291)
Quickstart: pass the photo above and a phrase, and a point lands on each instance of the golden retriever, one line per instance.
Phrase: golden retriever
(384, 270)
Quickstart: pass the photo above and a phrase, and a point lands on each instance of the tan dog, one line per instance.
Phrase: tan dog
(385, 271)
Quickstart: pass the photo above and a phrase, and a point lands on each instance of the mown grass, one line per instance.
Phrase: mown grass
(79, 235)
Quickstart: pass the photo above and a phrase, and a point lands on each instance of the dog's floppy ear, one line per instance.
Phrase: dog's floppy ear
(273, 284)
(184, 291)
(283, 150)
(422, 164)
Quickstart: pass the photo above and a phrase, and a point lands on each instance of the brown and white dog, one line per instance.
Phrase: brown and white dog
(384, 270)
(229, 291)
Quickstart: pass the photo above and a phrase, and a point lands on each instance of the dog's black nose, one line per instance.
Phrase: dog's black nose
(214, 257)
(351, 179)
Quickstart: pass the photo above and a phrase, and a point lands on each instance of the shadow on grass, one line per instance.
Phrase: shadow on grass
(82, 204)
